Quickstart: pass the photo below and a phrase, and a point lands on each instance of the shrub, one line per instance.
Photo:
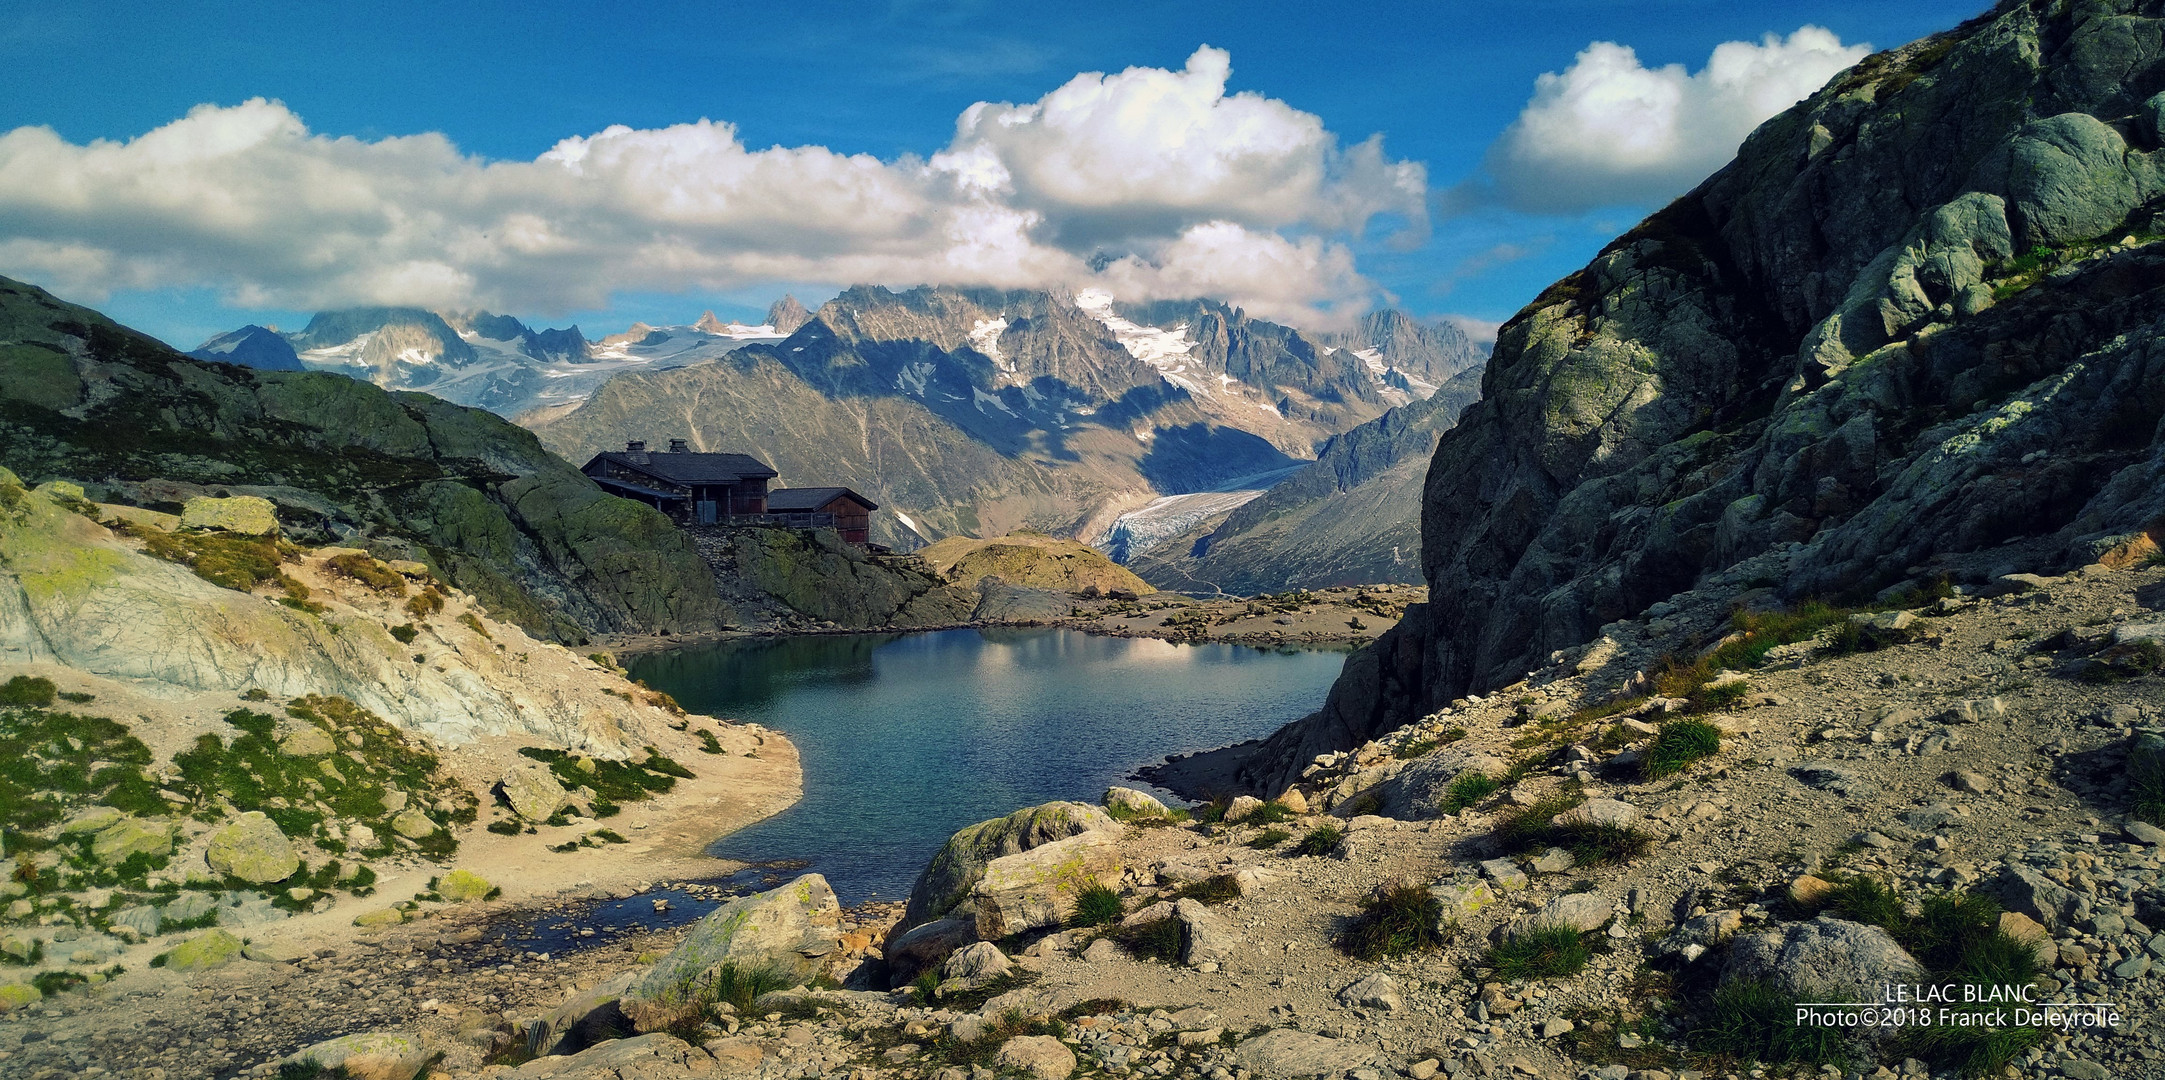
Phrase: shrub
(926, 986)
(506, 827)
(1403, 917)
(1319, 841)
(1096, 905)
(1757, 1021)
(405, 633)
(425, 603)
(1680, 743)
(1159, 940)
(1543, 952)
(28, 690)
(1269, 838)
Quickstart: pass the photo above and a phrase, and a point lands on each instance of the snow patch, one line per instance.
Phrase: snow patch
(985, 336)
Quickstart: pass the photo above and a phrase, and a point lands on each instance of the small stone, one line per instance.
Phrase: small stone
(1972, 782)
(1377, 990)
(1505, 873)
(204, 952)
(2144, 832)
(413, 825)
(380, 917)
(1559, 1026)
(1128, 802)
(1242, 807)
(1554, 861)
(1423, 1069)
(1102, 950)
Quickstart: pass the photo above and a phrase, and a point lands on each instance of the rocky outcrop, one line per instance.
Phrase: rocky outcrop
(1915, 318)
(782, 931)
(475, 498)
(251, 848)
(76, 593)
(1031, 560)
(956, 869)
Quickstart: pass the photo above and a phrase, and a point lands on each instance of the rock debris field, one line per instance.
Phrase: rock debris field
(1589, 889)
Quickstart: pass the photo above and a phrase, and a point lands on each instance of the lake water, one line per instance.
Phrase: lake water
(906, 738)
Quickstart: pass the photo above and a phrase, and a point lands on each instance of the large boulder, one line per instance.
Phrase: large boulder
(590, 1016)
(1126, 802)
(1040, 1057)
(925, 946)
(1848, 961)
(251, 848)
(115, 843)
(1286, 1053)
(533, 792)
(1418, 790)
(244, 514)
(373, 1055)
(2024, 889)
(1205, 936)
(955, 869)
(783, 930)
(204, 952)
(1037, 887)
(975, 964)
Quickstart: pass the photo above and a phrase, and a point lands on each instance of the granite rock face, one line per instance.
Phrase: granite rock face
(1917, 317)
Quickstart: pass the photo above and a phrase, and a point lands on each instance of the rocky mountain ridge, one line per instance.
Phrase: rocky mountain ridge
(1915, 319)
(406, 475)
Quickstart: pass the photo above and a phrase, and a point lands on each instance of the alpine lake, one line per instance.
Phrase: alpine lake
(906, 738)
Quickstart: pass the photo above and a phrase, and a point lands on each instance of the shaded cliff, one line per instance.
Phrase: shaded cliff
(1917, 318)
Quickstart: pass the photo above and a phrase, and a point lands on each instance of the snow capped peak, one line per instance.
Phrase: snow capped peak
(1166, 350)
(985, 338)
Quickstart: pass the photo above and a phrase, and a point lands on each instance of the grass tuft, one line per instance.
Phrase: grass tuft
(1320, 840)
(1269, 838)
(1757, 1021)
(1096, 905)
(1467, 789)
(1216, 889)
(1403, 917)
(1679, 743)
(1159, 939)
(1542, 952)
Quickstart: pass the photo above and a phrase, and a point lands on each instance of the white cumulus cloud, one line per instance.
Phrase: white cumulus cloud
(1610, 130)
(1168, 183)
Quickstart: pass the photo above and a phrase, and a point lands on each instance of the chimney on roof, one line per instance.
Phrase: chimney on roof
(635, 450)
(679, 446)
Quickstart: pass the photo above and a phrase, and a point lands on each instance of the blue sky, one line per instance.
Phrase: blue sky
(1300, 224)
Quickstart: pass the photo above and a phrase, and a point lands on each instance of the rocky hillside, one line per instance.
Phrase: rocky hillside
(405, 475)
(977, 412)
(211, 731)
(1034, 560)
(1352, 517)
(1592, 873)
(1917, 317)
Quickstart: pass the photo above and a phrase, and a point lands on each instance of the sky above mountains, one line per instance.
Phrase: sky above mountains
(190, 171)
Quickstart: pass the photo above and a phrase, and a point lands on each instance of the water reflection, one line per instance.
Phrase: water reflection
(906, 738)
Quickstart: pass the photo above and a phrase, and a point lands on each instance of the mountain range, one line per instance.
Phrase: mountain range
(489, 361)
(978, 411)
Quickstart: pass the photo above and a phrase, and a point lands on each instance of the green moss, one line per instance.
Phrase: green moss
(613, 782)
(28, 690)
(235, 562)
(299, 793)
(53, 763)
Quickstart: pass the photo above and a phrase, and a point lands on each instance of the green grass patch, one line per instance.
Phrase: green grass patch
(506, 827)
(52, 764)
(1269, 838)
(234, 562)
(613, 782)
(1403, 917)
(1678, 744)
(300, 793)
(369, 572)
(1542, 952)
(28, 690)
(1757, 1021)
(1467, 789)
(2146, 784)
(1216, 889)
(1159, 939)
(1590, 844)
(1321, 840)
(1096, 905)
(708, 744)
(1270, 813)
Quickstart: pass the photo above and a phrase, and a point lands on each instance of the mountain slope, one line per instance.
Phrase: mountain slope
(1351, 518)
(1918, 317)
(251, 346)
(84, 399)
(979, 411)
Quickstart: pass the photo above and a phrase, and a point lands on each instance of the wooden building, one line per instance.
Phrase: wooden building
(848, 512)
(693, 489)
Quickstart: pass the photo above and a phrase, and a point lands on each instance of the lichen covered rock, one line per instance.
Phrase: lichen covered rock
(251, 848)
